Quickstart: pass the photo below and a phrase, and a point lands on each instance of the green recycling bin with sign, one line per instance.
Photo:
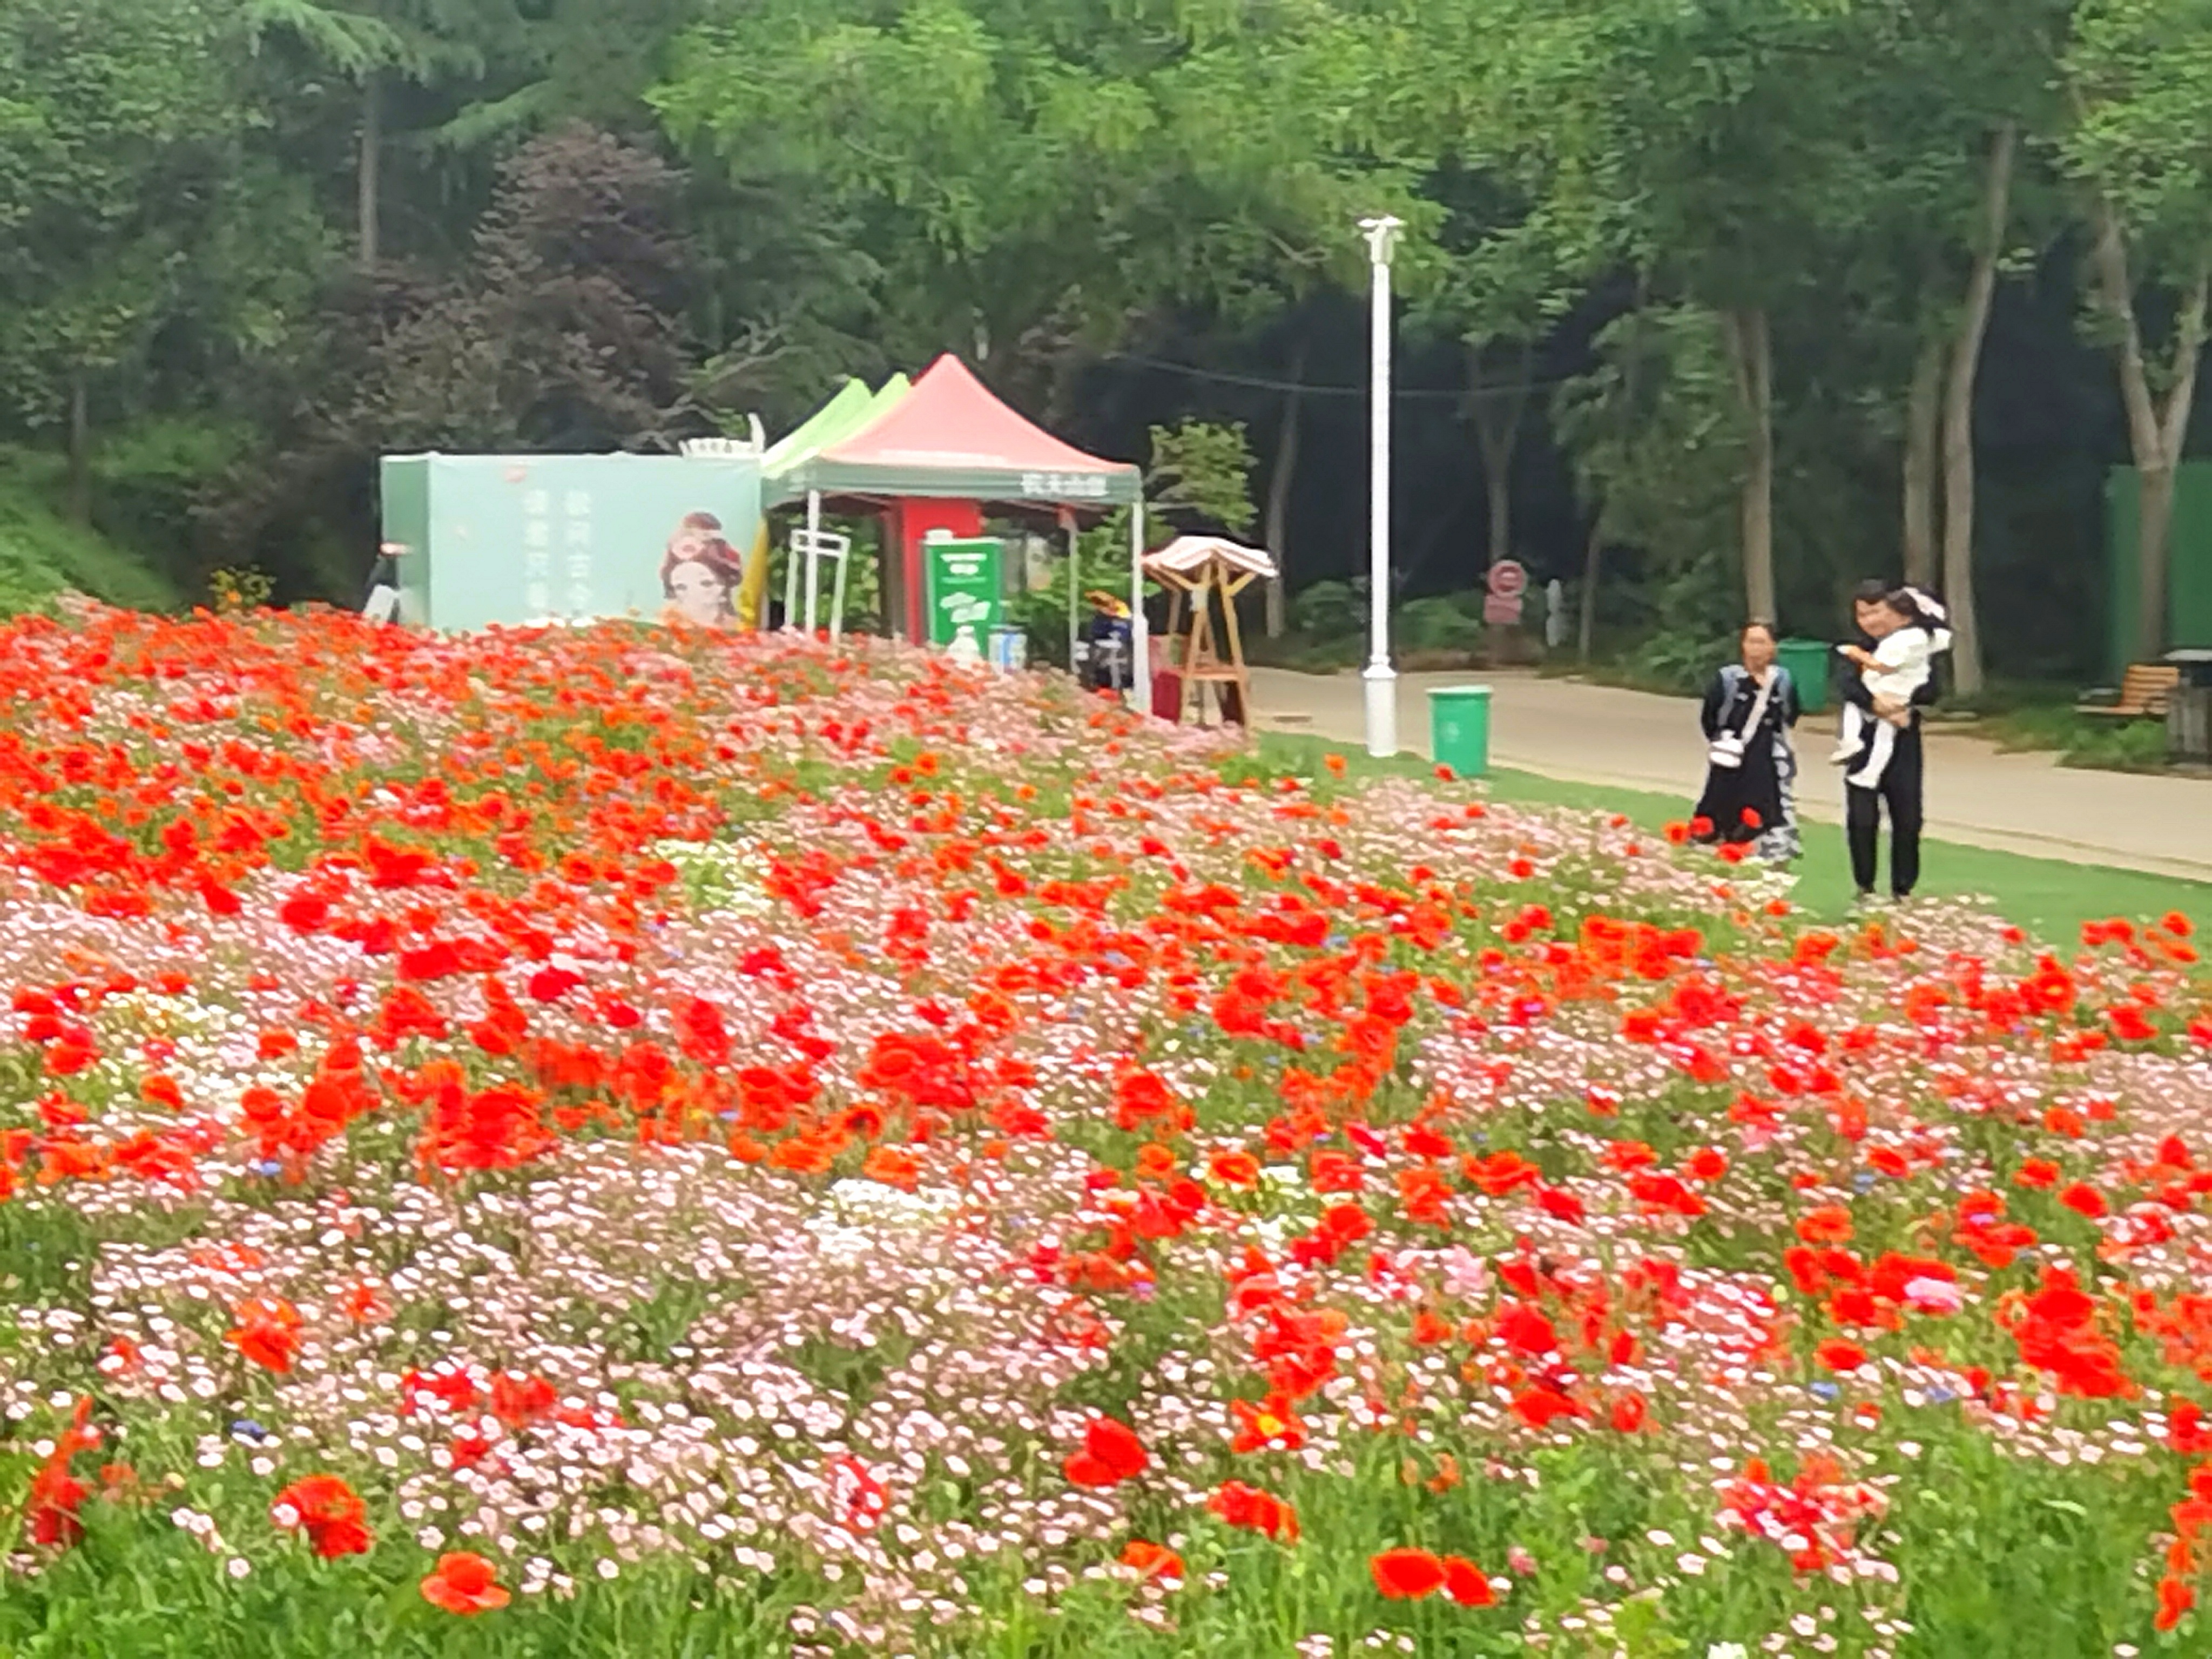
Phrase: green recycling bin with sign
(1808, 663)
(1459, 729)
(965, 594)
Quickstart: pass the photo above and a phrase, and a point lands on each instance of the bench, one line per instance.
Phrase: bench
(2144, 691)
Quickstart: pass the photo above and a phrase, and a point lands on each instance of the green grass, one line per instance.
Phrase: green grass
(42, 552)
(2085, 740)
(2049, 898)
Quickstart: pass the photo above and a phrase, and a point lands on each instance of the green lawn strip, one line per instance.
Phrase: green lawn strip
(2050, 898)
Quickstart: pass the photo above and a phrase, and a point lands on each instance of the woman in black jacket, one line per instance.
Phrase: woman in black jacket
(1748, 711)
(1901, 787)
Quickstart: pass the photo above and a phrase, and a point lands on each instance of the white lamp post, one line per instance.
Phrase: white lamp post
(1381, 679)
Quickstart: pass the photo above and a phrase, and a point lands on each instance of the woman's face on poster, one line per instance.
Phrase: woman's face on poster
(698, 594)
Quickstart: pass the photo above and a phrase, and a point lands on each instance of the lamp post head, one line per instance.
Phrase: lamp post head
(1382, 235)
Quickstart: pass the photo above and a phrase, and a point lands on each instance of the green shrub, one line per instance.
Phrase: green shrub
(1452, 621)
(1328, 610)
(2117, 745)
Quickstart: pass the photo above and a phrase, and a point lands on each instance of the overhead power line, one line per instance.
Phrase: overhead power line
(1260, 383)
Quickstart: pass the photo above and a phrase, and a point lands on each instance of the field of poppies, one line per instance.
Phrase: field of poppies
(617, 1142)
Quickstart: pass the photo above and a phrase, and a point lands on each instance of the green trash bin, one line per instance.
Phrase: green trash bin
(1808, 662)
(1459, 729)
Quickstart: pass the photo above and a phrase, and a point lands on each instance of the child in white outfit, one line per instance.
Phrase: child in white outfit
(1893, 671)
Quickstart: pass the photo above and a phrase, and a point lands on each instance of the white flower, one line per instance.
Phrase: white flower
(1728, 1651)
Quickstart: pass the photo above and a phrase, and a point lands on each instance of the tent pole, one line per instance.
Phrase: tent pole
(813, 565)
(1074, 596)
(791, 587)
(1140, 679)
(837, 603)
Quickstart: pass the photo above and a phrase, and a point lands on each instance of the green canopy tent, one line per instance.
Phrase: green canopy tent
(852, 408)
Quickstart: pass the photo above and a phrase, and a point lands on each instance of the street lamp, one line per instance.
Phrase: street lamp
(1381, 679)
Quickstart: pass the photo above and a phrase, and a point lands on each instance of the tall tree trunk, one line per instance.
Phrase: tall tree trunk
(369, 174)
(1751, 351)
(1923, 411)
(79, 502)
(2156, 433)
(1594, 553)
(1593, 558)
(1497, 416)
(1959, 416)
(1279, 498)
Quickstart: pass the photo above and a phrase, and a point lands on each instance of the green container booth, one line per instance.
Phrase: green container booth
(516, 539)
(2189, 564)
(1459, 729)
(1808, 662)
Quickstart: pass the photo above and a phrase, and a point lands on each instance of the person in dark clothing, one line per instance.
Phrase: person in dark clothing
(1748, 711)
(381, 603)
(1901, 787)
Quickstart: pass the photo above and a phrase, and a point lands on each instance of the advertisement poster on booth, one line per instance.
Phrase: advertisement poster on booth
(965, 595)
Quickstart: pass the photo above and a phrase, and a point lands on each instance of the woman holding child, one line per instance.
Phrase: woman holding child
(1885, 683)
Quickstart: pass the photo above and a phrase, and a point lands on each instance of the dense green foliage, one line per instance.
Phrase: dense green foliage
(1697, 298)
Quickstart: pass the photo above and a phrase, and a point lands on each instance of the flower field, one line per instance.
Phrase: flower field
(617, 1142)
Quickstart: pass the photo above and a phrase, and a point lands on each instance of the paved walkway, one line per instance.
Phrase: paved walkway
(1593, 734)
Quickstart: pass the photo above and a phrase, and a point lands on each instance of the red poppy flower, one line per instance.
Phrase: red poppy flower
(1153, 1560)
(1255, 1510)
(1526, 1330)
(1465, 1584)
(1829, 1224)
(2175, 1599)
(1407, 1574)
(1541, 1406)
(267, 1332)
(1111, 1454)
(1839, 1355)
(1235, 1169)
(464, 1583)
(1271, 1422)
(2084, 1199)
(330, 1513)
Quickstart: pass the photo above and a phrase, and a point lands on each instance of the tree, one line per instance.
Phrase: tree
(1707, 146)
(1033, 177)
(371, 43)
(1280, 477)
(566, 331)
(1946, 95)
(1503, 286)
(123, 120)
(2138, 83)
(1202, 471)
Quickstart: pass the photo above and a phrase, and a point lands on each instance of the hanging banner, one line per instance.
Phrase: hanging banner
(965, 594)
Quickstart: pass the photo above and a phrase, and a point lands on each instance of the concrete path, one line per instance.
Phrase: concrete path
(1593, 734)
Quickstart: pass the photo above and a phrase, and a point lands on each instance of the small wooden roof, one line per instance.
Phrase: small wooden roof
(1186, 554)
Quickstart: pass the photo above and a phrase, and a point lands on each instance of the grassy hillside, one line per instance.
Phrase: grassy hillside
(42, 553)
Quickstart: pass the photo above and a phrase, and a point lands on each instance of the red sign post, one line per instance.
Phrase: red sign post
(1507, 582)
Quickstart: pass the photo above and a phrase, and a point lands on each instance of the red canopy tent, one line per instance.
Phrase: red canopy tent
(937, 454)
